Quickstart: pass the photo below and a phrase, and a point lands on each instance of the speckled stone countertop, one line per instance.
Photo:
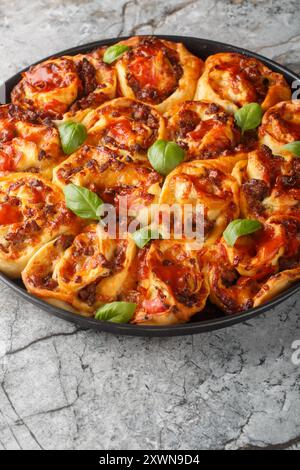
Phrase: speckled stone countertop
(66, 388)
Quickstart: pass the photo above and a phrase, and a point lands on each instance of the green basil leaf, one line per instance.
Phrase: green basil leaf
(116, 312)
(82, 201)
(238, 228)
(143, 236)
(72, 135)
(249, 116)
(114, 52)
(293, 147)
(164, 156)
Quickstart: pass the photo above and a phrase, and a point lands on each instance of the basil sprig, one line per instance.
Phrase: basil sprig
(165, 155)
(143, 236)
(239, 227)
(114, 52)
(116, 312)
(249, 116)
(83, 202)
(293, 147)
(72, 135)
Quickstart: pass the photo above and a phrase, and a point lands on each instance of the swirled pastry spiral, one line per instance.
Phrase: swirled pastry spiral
(29, 147)
(280, 126)
(81, 273)
(158, 72)
(205, 183)
(233, 80)
(123, 124)
(270, 184)
(257, 268)
(52, 87)
(172, 285)
(204, 130)
(32, 212)
(111, 174)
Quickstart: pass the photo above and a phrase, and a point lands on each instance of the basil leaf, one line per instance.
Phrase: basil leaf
(72, 135)
(249, 116)
(143, 236)
(238, 228)
(164, 156)
(114, 52)
(116, 312)
(82, 201)
(293, 147)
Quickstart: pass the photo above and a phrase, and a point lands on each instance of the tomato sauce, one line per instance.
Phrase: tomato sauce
(7, 161)
(203, 128)
(9, 214)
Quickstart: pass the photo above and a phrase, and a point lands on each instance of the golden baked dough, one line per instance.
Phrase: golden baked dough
(257, 268)
(123, 124)
(233, 80)
(110, 174)
(280, 126)
(270, 184)
(172, 285)
(204, 130)
(158, 72)
(205, 183)
(52, 87)
(81, 273)
(32, 212)
(27, 146)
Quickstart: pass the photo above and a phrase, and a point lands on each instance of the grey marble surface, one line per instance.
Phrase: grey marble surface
(65, 388)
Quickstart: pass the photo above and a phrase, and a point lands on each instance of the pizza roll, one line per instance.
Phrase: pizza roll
(123, 124)
(28, 147)
(233, 80)
(204, 130)
(80, 273)
(270, 184)
(204, 183)
(288, 263)
(257, 268)
(258, 254)
(111, 174)
(280, 126)
(158, 72)
(52, 87)
(32, 212)
(172, 285)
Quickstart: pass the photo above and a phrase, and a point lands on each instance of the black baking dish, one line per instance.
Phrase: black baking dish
(211, 318)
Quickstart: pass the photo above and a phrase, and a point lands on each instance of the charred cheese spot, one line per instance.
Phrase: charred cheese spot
(233, 80)
(157, 72)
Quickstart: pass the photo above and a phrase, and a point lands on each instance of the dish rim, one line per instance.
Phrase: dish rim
(151, 330)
